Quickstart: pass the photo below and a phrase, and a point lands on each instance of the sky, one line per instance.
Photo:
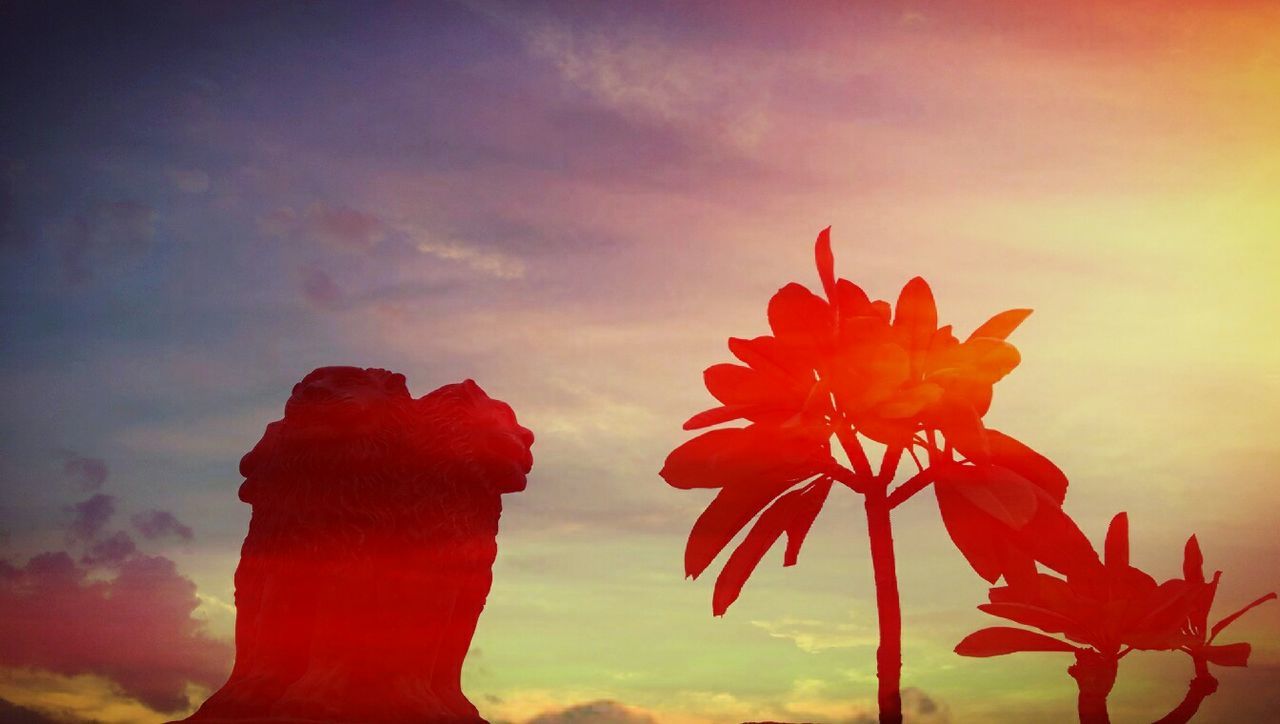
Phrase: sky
(576, 205)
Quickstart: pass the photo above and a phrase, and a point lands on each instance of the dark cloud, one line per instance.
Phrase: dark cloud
(917, 708)
(105, 234)
(90, 516)
(603, 711)
(135, 628)
(110, 551)
(88, 473)
(153, 524)
(107, 609)
(11, 713)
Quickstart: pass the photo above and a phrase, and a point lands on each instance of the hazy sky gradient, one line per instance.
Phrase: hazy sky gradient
(576, 205)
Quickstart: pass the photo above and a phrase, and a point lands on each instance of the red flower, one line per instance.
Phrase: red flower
(1197, 636)
(894, 371)
(844, 364)
(1109, 608)
(1102, 611)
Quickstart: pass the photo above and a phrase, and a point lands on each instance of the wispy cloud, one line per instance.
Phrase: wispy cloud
(814, 636)
(493, 264)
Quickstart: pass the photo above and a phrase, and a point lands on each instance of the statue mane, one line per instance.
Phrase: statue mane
(341, 422)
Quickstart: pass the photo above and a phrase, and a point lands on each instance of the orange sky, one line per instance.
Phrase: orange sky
(576, 206)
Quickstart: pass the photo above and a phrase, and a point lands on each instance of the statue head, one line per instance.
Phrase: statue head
(485, 443)
(339, 421)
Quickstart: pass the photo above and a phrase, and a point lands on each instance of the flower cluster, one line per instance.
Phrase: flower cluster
(1109, 607)
(843, 364)
(1102, 612)
(866, 372)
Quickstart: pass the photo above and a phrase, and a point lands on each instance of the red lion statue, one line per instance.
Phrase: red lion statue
(370, 551)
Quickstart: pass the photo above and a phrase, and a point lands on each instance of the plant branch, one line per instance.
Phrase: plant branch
(852, 448)
(915, 484)
(1202, 686)
(846, 477)
(889, 465)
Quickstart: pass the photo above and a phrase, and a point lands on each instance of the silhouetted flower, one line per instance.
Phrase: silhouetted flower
(1197, 636)
(1102, 611)
(1106, 608)
(843, 364)
(893, 379)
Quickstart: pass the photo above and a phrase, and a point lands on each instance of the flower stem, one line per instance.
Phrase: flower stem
(1200, 688)
(1095, 674)
(918, 482)
(888, 607)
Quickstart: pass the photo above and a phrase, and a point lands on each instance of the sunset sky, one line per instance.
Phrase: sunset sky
(576, 204)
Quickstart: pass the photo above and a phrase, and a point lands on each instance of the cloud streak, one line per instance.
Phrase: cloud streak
(156, 524)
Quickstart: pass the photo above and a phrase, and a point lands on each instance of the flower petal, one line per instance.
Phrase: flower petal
(1053, 538)
(1116, 551)
(1001, 325)
(850, 301)
(738, 385)
(744, 559)
(772, 357)
(881, 309)
(987, 359)
(747, 555)
(916, 319)
(1000, 493)
(720, 457)
(798, 315)
(973, 532)
(1217, 627)
(864, 375)
(717, 415)
(1008, 452)
(1228, 655)
(1028, 615)
(994, 548)
(802, 521)
(886, 431)
(826, 263)
(1001, 640)
(1193, 561)
(1161, 616)
(962, 427)
(908, 402)
(727, 513)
